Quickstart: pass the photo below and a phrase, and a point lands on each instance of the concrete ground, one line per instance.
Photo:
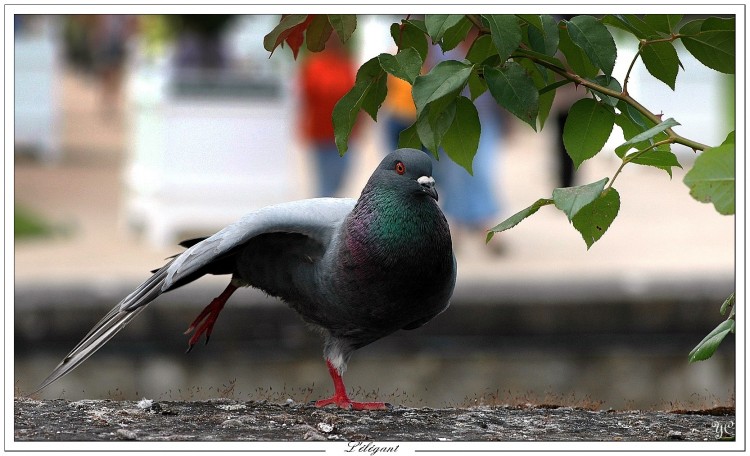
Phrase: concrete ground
(660, 236)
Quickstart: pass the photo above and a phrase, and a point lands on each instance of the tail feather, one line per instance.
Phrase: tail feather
(111, 324)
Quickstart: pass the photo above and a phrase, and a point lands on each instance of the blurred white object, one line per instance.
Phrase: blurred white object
(206, 147)
(36, 94)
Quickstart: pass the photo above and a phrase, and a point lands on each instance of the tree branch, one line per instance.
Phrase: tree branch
(567, 74)
(477, 21)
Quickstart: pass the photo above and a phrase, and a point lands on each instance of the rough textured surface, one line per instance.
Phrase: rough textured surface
(232, 420)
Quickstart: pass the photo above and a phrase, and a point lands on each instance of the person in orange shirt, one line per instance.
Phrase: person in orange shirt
(325, 77)
(400, 109)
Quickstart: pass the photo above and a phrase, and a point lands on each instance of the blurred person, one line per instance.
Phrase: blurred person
(109, 49)
(325, 77)
(200, 40)
(471, 201)
(565, 97)
(400, 111)
(78, 41)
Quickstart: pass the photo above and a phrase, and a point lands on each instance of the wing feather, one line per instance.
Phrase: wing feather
(317, 218)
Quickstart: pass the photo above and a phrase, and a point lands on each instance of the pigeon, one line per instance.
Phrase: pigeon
(355, 270)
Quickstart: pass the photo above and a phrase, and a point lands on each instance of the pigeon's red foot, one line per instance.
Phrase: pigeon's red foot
(204, 323)
(341, 400)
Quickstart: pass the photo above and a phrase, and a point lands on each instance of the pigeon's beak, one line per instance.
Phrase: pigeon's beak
(428, 186)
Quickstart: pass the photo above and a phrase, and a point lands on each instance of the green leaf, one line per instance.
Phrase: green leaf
(664, 23)
(633, 24)
(446, 80)
(587, 129)
(554, 86)
(368, 93)
(438, 24)
(477, 85)
(405, 65)
(407, 36)
(481, 49)
(375, 96)
(629, 129)
(317, 33)
(344, 24)
(514, 90)
(730, 139)
(419, 24)
(545, 39)
(648, 134)
(540, 75)
(461, 141)
(544, 57)
(279, 33)
(593, 219)
(372, 74)
(712, 178)
(661, 61)
(506, 33)
(707, 347)
(593, 37)
(571, 199)
(456, 34)
(409, 138)
(546, 100)
(433, 123)
(633, 123)
(725, 305)
(345, 114)
(575, 56)
(662, 159)
(369, 70)
(711, 41)
(633, 114)
(516, 218)
(532, 19)
(610, 83)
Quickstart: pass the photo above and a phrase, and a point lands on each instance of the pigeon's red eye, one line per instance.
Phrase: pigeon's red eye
(400, 167)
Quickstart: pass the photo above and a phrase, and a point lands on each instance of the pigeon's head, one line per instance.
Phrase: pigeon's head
(408, 169)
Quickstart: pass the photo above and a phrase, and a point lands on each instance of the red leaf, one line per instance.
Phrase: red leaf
(296, 35)
(286, 25)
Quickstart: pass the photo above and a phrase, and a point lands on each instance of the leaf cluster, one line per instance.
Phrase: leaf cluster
(522, 60)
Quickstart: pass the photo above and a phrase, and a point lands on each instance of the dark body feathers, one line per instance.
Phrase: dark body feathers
(357, 270)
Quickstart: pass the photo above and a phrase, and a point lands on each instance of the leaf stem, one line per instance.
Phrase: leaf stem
(629, 158)
(630, 68)
(642, 44)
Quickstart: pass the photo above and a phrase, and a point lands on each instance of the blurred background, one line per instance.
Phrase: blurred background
(135, 132)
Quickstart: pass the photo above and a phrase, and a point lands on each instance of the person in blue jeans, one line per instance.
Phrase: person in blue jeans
(471, 202)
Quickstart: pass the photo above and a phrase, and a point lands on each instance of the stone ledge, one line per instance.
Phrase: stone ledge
(233, 420)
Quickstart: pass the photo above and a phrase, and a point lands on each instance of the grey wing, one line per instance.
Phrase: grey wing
(317, 218)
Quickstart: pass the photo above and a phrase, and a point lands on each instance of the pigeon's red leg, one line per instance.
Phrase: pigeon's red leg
(204, 323)
(341, 400)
